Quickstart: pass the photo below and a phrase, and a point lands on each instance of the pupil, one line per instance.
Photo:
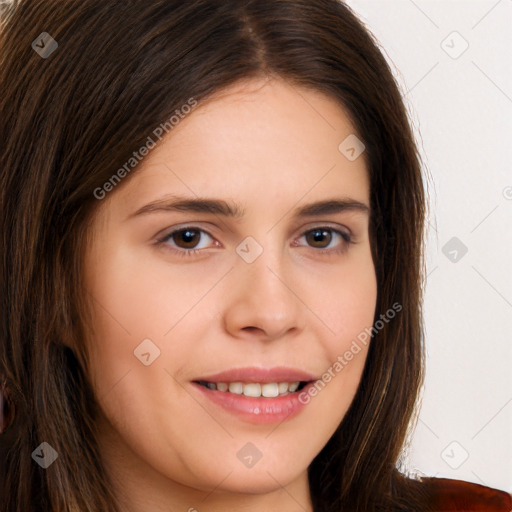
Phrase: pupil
(317, 235)
(188, 237)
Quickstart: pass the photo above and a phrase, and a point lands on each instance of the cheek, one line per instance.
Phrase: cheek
(144, 295)
(134, 302)
(347, 303)
(347, 310)
(125, 310)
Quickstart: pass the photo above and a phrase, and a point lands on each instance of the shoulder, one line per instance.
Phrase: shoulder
(457, 495)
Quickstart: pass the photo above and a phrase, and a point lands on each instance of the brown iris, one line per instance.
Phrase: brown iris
(317, 236)
(188, 237)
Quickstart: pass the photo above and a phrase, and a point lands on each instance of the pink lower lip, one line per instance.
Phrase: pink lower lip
(259, 410)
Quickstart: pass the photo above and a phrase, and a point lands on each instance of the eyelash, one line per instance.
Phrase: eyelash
(347, 240)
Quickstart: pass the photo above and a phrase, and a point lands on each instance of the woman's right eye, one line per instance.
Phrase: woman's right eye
(184, 240)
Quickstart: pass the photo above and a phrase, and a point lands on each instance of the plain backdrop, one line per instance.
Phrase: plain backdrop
(452, 60)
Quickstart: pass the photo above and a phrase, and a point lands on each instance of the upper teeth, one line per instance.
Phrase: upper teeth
(254, 389)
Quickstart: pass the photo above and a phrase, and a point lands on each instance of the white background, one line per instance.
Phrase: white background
(461, 107)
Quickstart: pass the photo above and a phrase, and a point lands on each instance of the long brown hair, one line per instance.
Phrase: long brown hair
(68, 122)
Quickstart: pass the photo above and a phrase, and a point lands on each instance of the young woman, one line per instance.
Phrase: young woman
(212, 222)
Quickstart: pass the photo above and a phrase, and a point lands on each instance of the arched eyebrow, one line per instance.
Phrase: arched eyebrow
(236, 211)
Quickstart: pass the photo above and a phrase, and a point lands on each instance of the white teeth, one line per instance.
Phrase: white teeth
(282, 387)
(252, 389)
(293, 386)
(270, 390)
(222, 386)
(255, 389)
(236, 387)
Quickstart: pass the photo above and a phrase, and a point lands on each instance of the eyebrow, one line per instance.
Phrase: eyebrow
(236, 211)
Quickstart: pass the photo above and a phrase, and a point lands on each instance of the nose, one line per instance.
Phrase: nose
(262, 302)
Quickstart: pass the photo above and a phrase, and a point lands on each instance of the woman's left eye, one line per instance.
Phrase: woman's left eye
(320, 238)
(187, 241)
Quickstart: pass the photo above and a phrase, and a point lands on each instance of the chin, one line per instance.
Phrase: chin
(247, 482)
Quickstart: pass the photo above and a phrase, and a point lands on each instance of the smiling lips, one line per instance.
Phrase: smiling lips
(256, 382)
(257, 395)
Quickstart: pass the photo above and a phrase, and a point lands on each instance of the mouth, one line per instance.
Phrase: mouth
(257, 395)
(256, 389)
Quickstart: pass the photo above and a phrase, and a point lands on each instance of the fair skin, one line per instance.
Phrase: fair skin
(271, 149)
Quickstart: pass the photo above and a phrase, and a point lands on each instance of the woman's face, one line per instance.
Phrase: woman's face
(253, 302)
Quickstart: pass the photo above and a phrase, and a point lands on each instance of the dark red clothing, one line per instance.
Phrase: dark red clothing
(456, 495)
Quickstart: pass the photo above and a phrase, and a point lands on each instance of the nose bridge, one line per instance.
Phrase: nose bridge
(261, 297)
(264, 264)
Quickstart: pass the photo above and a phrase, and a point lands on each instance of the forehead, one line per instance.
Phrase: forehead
(268, 141)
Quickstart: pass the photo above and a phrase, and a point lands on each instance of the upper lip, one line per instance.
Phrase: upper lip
(259, 374)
